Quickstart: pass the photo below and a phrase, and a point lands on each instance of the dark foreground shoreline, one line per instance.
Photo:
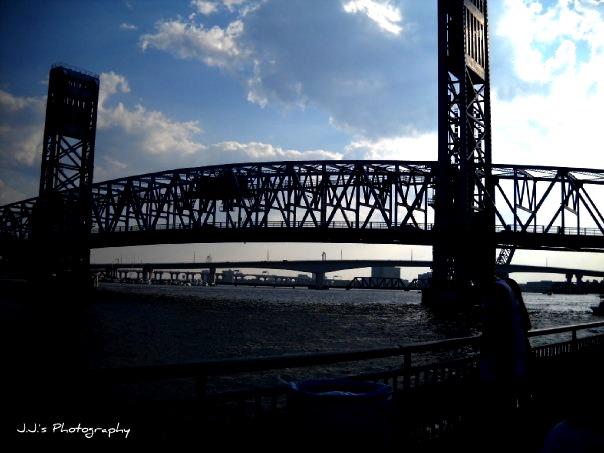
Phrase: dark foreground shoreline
(47, 345)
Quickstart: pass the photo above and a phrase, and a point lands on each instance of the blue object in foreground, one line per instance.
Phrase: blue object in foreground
(342, 411)
(341, 389)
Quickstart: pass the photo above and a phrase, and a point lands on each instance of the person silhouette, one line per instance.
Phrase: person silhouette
(504, 361)
(505, 351)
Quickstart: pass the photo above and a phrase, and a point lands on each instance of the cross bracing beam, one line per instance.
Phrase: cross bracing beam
(329, 201)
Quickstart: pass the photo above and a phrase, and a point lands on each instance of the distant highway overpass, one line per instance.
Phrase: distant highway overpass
(320, 266)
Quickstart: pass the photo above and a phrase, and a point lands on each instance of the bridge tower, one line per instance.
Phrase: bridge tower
(464, 247)
(62, 217)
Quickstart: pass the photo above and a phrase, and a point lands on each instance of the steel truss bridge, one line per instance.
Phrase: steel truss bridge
(388, 202)
(462, 205)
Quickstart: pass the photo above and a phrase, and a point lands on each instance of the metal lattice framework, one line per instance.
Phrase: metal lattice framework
(464, 249)
(329, 201)
(61, 220)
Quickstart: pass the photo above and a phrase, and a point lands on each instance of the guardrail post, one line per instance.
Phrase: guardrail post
(407, 370)
(574, 345)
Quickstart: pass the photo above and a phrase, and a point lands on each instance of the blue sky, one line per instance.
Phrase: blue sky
(188, 83)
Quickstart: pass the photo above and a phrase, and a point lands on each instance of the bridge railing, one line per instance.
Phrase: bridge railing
(539, 229)
(269, 224)
(412, 371)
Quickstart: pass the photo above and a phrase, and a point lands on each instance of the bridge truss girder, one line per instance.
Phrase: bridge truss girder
(329, 201)
(295, 195)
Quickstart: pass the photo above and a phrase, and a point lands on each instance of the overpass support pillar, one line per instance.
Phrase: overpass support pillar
(147, 273)
(212, 276)
(111, 272)
(319, 278)
(569, 278)
(579, 278)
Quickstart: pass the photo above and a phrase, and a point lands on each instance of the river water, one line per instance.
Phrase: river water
(144, 324)
(131, 325)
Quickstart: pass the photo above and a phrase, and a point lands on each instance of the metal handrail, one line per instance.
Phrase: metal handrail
(371, 225)
(570, 231)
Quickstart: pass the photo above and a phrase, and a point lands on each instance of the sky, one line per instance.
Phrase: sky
(190, 83)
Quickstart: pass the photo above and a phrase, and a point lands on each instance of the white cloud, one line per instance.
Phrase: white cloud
(205, 7)
(130, 140)
(544, 40)
(241, 7)
(12, 103)
(215, 46)
(153, 130)
(127, 26)
(108, 168)
(560, 50)
(287, 55)
(232, 151)
(233, 4)
(21, 128)
(111, 83)
(386, 16)
(407, 147)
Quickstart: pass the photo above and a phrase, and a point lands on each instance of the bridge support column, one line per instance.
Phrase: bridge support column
(464, 224)
(212, 276)
(111, 272)
(61, 219)
(569, 278)
(319, 278)
(147, 273)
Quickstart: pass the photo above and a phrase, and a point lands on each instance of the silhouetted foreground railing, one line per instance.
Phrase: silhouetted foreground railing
(409, 375)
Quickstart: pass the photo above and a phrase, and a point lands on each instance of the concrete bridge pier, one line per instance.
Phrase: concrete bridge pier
(111, 272)
(212, 276)
(147, 273)
(319, 278)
